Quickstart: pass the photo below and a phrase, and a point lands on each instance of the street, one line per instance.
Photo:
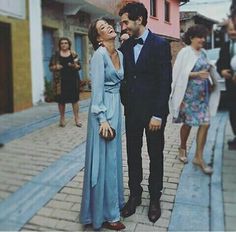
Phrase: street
(42, 176)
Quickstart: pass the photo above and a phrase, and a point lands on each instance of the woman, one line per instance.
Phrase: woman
(65, 65)
(103, 181)
(191, 100)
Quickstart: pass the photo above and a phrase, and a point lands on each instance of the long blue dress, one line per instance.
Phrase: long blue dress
(103, 179)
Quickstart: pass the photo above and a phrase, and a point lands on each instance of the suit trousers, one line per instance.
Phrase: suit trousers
(155, 145)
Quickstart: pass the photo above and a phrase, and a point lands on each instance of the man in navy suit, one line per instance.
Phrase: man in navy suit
(144, 92)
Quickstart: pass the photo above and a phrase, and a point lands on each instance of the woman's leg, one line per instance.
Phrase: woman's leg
(200, 142)
(75, 107)
(184, 134)
(61, 108)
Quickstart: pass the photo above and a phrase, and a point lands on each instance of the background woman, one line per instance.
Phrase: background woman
(190, 101)
(103, 181)
(66, 82)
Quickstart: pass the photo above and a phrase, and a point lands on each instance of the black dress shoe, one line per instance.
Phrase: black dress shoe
(130, 207)
(154, 211)
(232, 144)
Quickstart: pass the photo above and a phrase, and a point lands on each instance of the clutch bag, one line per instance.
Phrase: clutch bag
(109, 137)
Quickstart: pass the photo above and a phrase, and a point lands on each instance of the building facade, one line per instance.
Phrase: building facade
(30, 30)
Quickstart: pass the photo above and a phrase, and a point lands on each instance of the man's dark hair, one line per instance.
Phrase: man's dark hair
(196, 31)
(135, 10)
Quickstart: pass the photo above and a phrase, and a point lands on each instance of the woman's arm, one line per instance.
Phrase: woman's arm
(204, 74)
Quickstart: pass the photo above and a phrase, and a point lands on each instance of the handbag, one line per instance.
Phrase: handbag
(109, 137)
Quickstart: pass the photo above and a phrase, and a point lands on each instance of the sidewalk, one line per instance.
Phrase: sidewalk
(41, 175)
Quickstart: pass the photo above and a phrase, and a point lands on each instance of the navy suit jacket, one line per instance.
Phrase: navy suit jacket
(146, 86)
(224, 63)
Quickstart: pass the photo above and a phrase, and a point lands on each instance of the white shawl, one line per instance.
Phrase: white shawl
(184, 64)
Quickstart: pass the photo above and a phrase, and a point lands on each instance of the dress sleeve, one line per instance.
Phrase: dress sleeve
(98, 107)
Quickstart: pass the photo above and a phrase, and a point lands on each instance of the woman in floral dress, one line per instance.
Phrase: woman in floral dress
(191, 92)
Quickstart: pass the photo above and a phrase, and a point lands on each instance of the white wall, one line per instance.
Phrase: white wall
(13, 8)
(36, 44)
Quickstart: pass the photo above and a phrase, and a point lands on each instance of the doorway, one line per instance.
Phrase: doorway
(6, 89)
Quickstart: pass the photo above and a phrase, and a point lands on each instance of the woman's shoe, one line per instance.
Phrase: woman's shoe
(79, 124)
(62, 123)
(182, 155)
(205, 168)
(114, 225)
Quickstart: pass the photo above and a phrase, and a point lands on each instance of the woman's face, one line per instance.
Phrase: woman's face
(105, 31)
(231, 30)
(64, 45)
(198, 42)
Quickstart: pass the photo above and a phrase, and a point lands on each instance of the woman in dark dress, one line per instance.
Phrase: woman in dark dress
(65, 66)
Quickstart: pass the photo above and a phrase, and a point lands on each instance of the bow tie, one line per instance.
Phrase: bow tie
(138, 41)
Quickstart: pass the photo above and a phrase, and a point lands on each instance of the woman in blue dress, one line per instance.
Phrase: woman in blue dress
(103, 180)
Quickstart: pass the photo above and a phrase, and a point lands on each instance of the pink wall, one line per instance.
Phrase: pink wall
(158, 24)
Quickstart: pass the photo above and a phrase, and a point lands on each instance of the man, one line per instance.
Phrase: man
(227, 52)
(144, 93)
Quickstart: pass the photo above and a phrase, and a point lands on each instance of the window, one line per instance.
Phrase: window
(167, 11)
(153, 8)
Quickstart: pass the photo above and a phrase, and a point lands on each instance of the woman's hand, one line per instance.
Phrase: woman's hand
(74, 65)
(204, 74)
(104, 128)
(226, 73)
(58, 67)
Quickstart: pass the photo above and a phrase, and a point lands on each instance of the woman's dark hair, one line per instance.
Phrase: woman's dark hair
(93, 33)
(64, 38)
(135, 10)
(196, 31)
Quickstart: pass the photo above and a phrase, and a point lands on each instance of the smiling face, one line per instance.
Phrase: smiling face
(231, 30)
(198, 42)
(105, 31)
(131, 26)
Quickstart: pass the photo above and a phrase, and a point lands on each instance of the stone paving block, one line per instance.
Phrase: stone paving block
(73, 198)
(64, 214)
(169, 191)
(44, 221)
(60, 196)
(167, 198)
(59, 204)
(46, 212)
(68, 226)
(73, 191)
(230, 197)
(230, 223)
(76, 207)
(143, 228)
(230, 210)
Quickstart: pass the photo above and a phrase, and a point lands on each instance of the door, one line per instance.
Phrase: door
(48, 47)
(6, 90)
(79, 49)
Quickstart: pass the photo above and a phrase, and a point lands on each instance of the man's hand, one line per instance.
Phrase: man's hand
(226, 73)
(154, 124)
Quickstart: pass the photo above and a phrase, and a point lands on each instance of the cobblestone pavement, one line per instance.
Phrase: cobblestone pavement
(229, 183)
(61, 212)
